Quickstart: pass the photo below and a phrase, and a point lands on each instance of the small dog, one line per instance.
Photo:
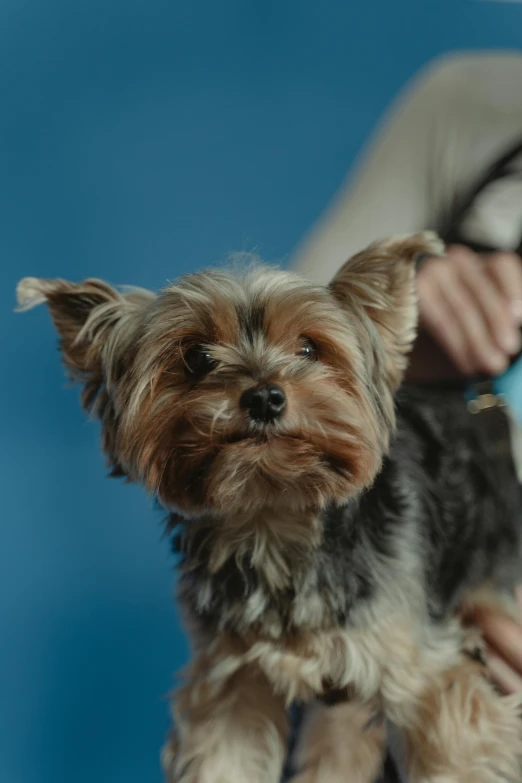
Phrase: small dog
(329, 527)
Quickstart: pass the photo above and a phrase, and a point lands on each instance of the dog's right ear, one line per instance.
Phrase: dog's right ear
(94, 321)
(381, 281)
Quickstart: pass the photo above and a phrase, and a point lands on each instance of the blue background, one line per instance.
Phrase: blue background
(140, 140)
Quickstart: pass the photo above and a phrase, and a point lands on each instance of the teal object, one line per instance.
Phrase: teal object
(510, 386)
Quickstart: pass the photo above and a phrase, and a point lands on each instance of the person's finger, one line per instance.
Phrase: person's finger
(518, 596)
(507, 679)
(491, 304)
(505, 270)
(483, 353)
(503, 635)
(437, 318)
(451, 314)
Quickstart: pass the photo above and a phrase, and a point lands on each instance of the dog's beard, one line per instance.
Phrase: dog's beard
(198, 451)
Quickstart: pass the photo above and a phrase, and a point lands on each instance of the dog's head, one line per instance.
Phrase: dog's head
(228, 392)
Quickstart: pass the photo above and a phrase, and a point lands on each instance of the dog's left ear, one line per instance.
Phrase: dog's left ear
(94, 321)
(98, 328)
(381, 280)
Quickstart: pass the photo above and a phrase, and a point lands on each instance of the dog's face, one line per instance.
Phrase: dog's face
(225, 393)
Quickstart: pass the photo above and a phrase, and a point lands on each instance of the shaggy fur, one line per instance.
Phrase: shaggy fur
(326, 547)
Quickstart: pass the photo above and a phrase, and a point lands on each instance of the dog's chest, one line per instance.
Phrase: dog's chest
(300, 591)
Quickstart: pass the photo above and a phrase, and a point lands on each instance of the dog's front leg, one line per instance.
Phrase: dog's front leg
(460, 730)
(229, 729)
(341, 743)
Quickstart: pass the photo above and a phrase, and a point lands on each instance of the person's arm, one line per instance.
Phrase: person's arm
(404, 181)
(453, 119)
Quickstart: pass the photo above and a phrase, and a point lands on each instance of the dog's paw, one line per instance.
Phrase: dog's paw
(319, 773)
(182, 767)
(325, 773)
(341, 743)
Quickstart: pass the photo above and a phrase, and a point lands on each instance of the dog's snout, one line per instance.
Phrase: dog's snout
(264, 403)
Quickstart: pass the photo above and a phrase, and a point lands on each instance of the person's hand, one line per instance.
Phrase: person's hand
(472, 307)
(503, 638)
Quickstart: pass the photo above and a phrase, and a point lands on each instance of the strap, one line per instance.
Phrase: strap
(497, 170)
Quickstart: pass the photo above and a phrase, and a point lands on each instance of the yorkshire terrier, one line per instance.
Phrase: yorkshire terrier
(330, 525)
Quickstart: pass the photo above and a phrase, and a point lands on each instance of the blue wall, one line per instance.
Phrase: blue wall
(140, 140)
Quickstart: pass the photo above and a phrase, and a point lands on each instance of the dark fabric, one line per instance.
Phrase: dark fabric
(297, 714)
(389, 773)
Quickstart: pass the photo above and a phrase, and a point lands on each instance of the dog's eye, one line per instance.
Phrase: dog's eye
(308, 350)
(198, 361)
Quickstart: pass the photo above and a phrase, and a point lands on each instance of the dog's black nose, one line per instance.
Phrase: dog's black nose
(264, 403)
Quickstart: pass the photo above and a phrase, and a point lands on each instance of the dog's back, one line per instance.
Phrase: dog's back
(460, 464)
